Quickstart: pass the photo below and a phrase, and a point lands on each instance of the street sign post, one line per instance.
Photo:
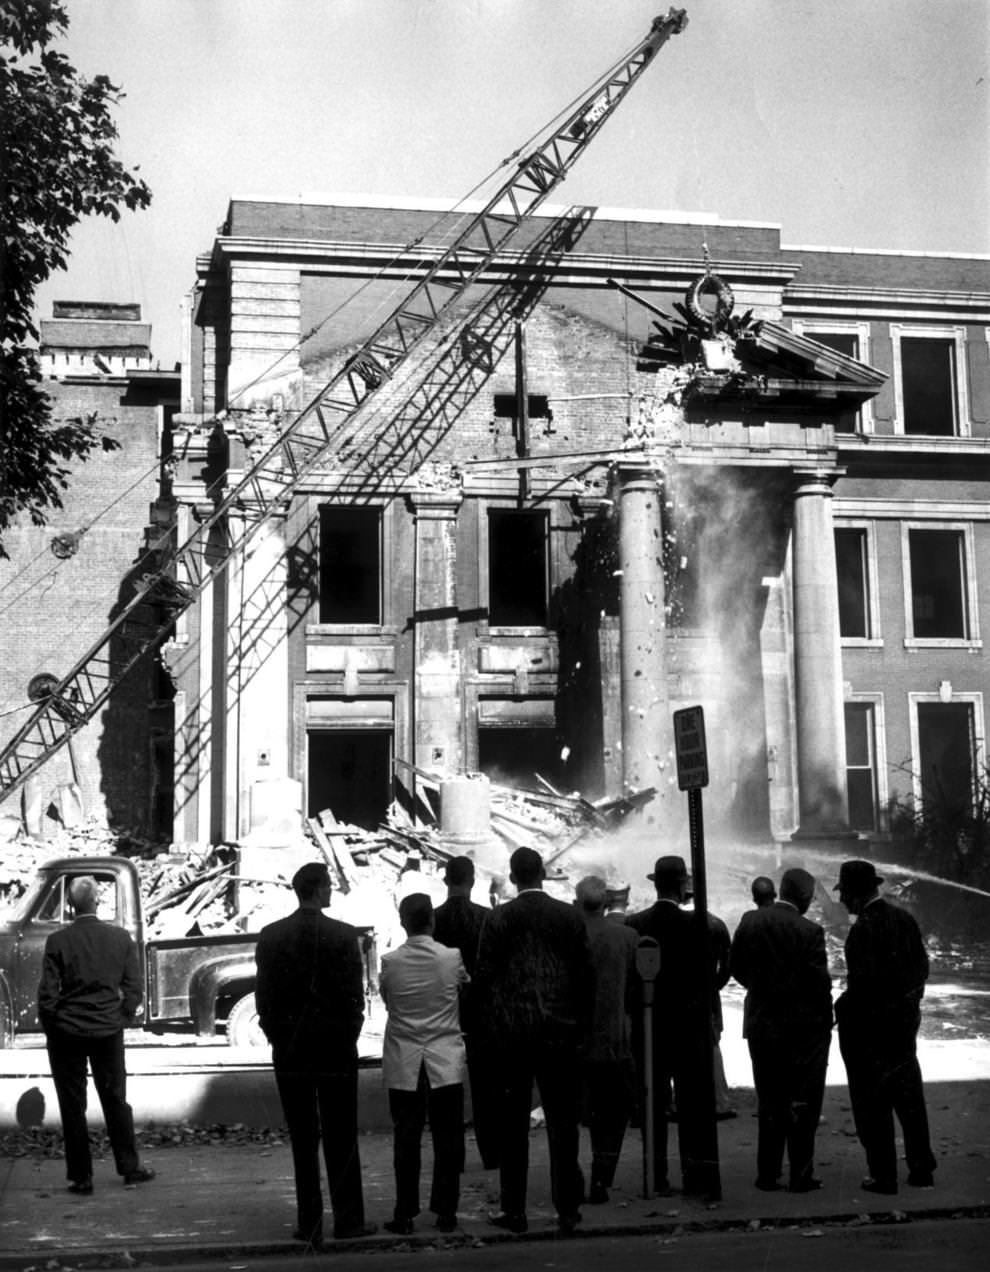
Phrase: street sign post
(691, 750)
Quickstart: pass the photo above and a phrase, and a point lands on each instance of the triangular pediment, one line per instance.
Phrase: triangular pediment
(729, 357)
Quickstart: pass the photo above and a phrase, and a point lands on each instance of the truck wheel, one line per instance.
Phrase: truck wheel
(243, 1029)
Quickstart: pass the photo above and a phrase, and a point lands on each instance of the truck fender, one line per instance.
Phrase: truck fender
(208, 983)
(6, 1013)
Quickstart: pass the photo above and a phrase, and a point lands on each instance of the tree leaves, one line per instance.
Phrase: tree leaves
(58, 165)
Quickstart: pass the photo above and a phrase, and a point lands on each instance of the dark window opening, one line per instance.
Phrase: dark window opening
(847, 343)
(517, 569)
(513, 757)
(928, 385)
(537, 406)
(853, 578)
(945, 745)
(349, 771)
(350, 565)
(938, 588)
(861, 771)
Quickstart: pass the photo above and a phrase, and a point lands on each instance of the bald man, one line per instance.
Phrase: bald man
(90, 990)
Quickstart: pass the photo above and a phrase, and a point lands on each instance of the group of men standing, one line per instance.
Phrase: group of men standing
(779, 955)
(534, 992)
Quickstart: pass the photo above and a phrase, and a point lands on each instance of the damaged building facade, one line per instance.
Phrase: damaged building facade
(650, 462)
(63, 583)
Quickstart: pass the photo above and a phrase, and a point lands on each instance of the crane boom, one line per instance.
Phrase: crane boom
(182, 572)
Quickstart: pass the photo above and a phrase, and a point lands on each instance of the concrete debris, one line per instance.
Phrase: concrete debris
(193, 890)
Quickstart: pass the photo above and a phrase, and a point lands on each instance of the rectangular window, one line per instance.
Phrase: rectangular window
(938, 584)
(537, 406)
(350, 565)
(861, 768)
(854, 582)
(928, 385)
(946, 756)
(845, 342)
(514, 757)
(517, 568)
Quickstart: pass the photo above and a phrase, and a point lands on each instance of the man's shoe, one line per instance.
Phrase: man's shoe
(662, 1188)
(81, 1187)
(399, 1227)
(312, 1240)
(142, 1175)
(765, 1185)
(566, 1223)
(598, 1195)
(726, 1115)
(805, 1185)
(362, 1230)
(921, 1179)
(446, 1223)
(511, 1223)
(886, 1186)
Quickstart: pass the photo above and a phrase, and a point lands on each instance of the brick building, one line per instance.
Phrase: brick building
(575, 514)
(63, 582)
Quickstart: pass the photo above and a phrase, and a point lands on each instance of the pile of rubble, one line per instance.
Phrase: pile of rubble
(229, 888)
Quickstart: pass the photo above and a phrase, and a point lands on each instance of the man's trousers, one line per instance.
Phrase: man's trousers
(444, 1107)
(321, 1107)
(884, 1079)
(556, 1071)
(789, 1076)
(68, 1055)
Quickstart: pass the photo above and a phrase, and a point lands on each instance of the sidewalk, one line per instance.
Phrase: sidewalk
(234, 1200)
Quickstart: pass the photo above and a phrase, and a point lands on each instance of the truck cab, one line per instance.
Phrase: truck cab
(44, 909)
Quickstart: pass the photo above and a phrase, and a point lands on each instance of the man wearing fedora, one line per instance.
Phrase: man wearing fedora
(878, 1018)
(681, 1017)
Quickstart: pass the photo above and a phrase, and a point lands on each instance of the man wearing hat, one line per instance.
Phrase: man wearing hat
(682, 1013)
(310, 997)
(779, 956)
(878, 1018)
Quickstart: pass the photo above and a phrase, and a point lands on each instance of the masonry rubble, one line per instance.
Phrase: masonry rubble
(190, 890)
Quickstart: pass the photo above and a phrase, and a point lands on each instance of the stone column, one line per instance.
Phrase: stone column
(646, 725)
(821, 744)
(437, 728)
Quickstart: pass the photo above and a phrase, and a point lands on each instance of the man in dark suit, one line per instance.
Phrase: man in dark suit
(90, 991)
(458, 923)
(682, 1029)
(534, 978)
(778, 955)
(878, 1018)
(609, 1067)
(310, 996)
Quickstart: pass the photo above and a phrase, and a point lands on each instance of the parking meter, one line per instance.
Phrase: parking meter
(648, 967)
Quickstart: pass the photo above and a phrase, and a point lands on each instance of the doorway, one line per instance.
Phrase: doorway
(349, 772)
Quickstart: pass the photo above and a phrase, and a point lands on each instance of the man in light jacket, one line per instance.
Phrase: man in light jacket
(424, 1064)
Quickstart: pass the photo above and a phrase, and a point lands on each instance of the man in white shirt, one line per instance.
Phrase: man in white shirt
(423, 1064)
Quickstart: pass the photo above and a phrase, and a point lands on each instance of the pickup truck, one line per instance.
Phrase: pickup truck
(198, 984)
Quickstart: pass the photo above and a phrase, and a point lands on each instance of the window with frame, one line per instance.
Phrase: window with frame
(847, 343)
(852, 573)
(517, 568)
(929, 397)
(939, 608)
(861, 766)
(946, 756)
(350, 565)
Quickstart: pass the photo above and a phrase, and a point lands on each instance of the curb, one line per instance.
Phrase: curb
(165, 1255)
